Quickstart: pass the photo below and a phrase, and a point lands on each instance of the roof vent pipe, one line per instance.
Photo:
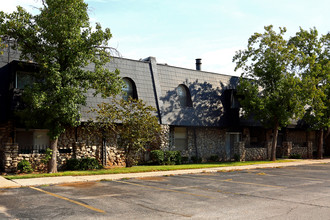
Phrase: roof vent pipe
(198, 64)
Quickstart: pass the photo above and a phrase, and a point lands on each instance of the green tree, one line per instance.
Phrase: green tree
(314, 67)
(70, 57)
(268, 83)
(133, 123)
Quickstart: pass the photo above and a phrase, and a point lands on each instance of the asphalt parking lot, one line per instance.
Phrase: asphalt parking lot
(301, 192)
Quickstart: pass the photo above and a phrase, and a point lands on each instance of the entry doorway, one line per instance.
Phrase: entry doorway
(231, 139)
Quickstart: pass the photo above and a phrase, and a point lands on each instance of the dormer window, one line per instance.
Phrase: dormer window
(129, 90)
(184, 96)
(234, 103)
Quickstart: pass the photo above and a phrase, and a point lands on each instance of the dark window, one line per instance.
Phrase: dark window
(180, 138)
(32, 141)
(129, 90)
(184, 96)
(23, 79)
(234, 103)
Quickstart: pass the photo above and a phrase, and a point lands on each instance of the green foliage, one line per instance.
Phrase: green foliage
(295, 156)
(185, 160)
(132, 121)
(157, 156)
(213, 158)
(62, 42)
(89, 164)
(172, 157)
(313, 62)
(72, 164)
(237, 157)
(24, 166)
(48, 156)
(83, 164)
(269, 82)
(195, 159)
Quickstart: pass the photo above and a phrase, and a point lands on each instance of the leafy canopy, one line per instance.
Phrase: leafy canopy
(70, 56)
(132, 121)
(268, 83)
(313, 62)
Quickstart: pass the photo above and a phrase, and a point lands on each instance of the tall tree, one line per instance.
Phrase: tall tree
(70, 56)
(268, 83)
(314, 67)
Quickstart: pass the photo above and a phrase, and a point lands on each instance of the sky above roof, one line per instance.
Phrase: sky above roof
(177, 32)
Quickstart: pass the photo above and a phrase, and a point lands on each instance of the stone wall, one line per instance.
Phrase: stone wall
(90, 145)
(211, 141)
(9, 157)
(263, 153)
(239, 152)
(305, 150)
(299, 138)
(202, 143)
(256, 154)
(165, 138)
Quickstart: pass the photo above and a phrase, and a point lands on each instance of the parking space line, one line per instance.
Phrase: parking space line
(69, 200)
(163, 189)
(233, 181)
(257, 184)
(298, 177)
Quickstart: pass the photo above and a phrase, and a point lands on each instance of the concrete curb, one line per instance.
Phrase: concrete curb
(4, 183)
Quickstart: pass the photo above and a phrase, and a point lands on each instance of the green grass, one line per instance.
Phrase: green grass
(138, 169)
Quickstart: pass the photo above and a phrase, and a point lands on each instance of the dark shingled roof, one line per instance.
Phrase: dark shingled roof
(156, 84)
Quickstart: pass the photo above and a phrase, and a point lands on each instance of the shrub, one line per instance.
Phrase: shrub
(185, 159)
(89, 164)
(72, 164)
(195, 159)
(160, 157)
(172, 157)
(83, 164)
(214, 158)
(157, 157)
(178, 158)
(295, 156)
(237, 157)
(24, 166)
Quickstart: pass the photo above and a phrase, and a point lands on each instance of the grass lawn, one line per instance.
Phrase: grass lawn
(137, 169)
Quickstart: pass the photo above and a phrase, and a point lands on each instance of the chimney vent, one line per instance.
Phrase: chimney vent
(198, 64)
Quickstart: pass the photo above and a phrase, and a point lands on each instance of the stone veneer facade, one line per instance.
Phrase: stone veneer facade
(201, 143)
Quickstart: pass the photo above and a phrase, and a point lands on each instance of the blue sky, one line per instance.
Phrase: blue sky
(178, 31)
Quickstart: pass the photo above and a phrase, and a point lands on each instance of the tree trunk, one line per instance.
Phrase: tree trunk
(326, 134)
(128, 158)
(52, 164)
(274, 142)
(320, 145)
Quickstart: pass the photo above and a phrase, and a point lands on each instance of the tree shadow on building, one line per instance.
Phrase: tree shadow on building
(211, 105)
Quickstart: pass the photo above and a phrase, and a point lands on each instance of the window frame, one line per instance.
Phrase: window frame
(185, 99)
(133, 93)
(176, 133)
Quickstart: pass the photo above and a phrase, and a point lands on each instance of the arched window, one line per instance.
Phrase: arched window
(184, 96)
(129, 90)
